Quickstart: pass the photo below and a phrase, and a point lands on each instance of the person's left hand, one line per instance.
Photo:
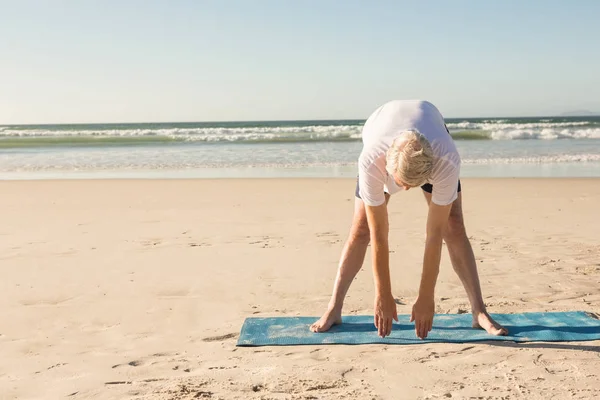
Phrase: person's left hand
(422, 314)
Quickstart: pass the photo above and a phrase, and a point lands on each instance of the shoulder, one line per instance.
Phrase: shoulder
(371, 161)
(446, 167)
(371, 178)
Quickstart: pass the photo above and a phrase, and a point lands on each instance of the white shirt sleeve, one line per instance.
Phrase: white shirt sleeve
(445, 181)
(371, 182)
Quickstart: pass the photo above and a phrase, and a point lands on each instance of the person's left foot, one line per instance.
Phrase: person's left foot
(483, 320)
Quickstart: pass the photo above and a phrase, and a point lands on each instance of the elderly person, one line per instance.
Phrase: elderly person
(406, 145)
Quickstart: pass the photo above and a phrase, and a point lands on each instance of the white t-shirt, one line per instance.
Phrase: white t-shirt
(378, 134)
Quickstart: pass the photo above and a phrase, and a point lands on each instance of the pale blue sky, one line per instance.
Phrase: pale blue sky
(138, 61)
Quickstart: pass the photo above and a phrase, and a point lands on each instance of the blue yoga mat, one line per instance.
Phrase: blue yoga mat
(450, 328)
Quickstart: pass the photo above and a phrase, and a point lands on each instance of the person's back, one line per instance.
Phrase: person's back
(383, 127)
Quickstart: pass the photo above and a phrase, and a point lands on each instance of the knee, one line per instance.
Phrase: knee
(455, 229)
(360, 233)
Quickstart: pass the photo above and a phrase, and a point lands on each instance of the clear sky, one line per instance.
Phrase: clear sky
(174, 60)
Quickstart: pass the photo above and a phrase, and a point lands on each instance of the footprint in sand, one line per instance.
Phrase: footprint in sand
(220, 338)
(46, 301)
(548, 261)
(180, 388)
(134, 363)
(325, 234)
(173, 293)
(177, 367)
(265, 241)
(332, 237)
(202, 244)
(435, 355)
(56, 366)
(149, 360)
(66, 252)
(329, 235)
(196, 387)
(151, 242)
(588, 269)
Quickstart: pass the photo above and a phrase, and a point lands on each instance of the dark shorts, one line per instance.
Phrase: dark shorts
(428, 187)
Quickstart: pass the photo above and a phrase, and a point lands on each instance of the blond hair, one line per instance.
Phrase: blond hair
(411, 158)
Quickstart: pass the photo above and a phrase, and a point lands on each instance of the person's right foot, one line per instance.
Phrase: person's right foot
(330, 318)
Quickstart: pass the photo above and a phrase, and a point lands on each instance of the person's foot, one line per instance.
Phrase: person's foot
(330, 318)
(483, 320)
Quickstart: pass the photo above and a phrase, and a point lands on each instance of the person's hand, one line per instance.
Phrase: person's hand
(385, 311)
(422, 314)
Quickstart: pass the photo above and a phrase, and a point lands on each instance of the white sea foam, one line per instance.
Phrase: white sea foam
(489, 125)
(494, 129)
(549, 159)
(501, 130)
(208, 134)
(546, 134)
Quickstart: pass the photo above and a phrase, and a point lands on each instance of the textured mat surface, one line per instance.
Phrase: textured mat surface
(359, 329)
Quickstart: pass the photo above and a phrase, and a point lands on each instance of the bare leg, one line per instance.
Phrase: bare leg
(463, 262)
(351, 261)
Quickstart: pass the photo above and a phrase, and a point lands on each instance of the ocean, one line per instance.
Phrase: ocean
(489, 147)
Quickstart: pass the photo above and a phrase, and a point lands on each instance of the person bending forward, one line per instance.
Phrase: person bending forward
(405, 145)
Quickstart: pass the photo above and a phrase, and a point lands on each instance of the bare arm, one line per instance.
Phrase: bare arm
(377, 218)
(385, 306)
(424, 308)
(437, 221)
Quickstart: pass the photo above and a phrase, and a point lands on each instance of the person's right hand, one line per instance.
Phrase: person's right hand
(385, 311)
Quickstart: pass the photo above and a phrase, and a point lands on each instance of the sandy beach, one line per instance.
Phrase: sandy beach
(137, 289)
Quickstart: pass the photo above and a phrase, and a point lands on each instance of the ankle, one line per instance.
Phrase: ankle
(334, 308)
(476, 312)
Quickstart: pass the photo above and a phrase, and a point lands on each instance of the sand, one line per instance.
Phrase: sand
(137, 289)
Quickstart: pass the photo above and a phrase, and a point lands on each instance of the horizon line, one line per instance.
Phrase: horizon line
(278, 120)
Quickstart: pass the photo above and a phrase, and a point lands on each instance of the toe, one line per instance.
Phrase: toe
(317, 327)
(497, 330)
